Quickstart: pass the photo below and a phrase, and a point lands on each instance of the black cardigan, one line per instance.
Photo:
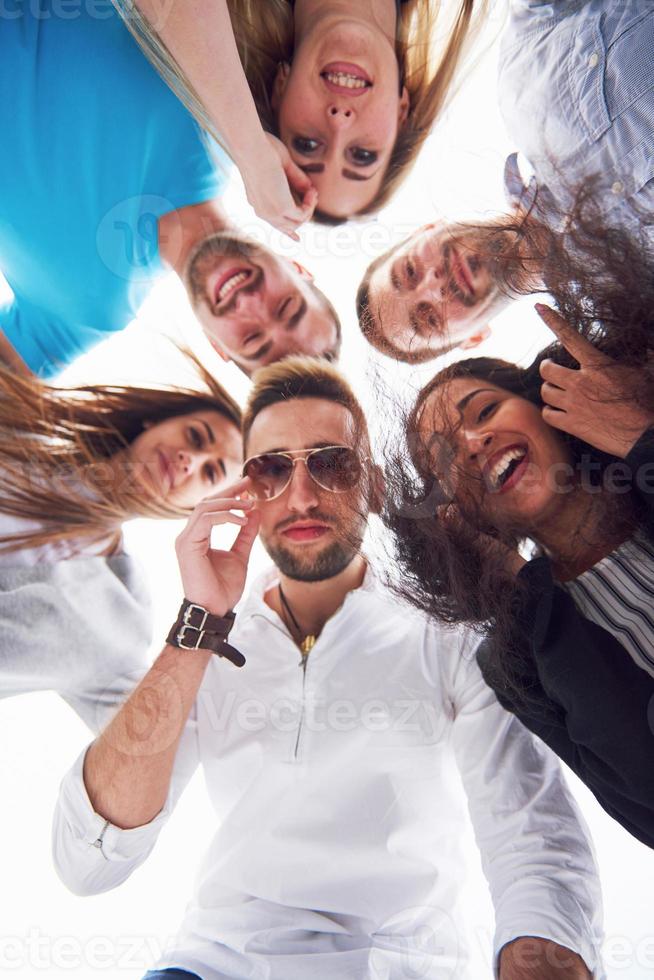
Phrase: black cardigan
(584, 695)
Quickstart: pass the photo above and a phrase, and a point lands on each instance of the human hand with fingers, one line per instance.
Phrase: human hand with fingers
(595, 402)
(211, 577)
(279, 191)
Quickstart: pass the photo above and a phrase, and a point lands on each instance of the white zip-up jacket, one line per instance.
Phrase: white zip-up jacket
(340, 793)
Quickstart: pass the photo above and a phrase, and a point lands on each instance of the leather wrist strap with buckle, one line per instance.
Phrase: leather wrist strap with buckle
(197, 629)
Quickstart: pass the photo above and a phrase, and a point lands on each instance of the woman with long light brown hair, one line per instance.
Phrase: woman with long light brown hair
(75, 464)
(339, 92)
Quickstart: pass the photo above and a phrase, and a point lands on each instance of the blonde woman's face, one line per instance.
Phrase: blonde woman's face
(339, 111)
(187, 457)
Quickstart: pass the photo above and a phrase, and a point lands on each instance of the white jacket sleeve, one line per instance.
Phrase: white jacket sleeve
(535, 848)
(90, 854)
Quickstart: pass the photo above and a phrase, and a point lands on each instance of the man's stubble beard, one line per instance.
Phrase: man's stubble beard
(329, 562)
(333, 560)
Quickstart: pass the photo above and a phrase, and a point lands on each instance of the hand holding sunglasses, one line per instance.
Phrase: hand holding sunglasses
(333, 468)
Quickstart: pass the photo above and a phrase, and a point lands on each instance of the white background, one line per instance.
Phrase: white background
(46, 931)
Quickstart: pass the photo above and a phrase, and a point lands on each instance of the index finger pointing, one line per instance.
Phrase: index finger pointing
(580, 348)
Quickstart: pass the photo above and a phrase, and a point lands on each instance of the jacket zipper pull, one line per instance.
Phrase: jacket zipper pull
(306, 646)
(100, 841)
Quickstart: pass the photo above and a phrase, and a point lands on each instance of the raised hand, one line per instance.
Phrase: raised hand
(213, 578)
(596, 402)
(275, 185)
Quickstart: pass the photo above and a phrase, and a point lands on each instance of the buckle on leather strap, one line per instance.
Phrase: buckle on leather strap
(187, 627)
(190, 612)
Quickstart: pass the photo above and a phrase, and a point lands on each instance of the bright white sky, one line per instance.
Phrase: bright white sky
(117, 936)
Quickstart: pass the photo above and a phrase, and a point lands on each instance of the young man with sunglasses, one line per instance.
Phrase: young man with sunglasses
(331, 755)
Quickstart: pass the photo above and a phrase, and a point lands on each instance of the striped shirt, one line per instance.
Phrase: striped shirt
(618, 594)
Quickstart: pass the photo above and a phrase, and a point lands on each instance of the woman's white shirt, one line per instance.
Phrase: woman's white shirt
(52, 552)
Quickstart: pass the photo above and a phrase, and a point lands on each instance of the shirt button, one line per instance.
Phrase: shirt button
(618, 187)
(593, 61)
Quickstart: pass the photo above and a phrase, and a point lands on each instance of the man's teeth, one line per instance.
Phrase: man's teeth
(500, 471)
(346, 81)
(231, 284)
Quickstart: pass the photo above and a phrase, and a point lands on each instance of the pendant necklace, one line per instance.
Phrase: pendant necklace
(308, 643)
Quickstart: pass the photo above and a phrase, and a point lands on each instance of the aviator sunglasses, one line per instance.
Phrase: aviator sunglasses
(333, 468)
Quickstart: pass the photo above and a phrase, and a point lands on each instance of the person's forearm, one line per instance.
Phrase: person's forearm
(530, 958)
(199, 35)
(128, 769)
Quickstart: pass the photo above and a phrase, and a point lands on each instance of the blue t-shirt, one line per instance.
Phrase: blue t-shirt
(95, 148)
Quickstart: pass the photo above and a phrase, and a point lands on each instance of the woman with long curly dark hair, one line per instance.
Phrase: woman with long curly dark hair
(554, 462)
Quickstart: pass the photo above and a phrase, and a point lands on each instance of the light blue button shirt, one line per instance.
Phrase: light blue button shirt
(576, 89)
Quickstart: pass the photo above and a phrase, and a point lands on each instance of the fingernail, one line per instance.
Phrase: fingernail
(541, 308)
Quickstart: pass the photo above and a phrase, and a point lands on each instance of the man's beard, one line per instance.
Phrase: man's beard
(328, 563)
(221, 245)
